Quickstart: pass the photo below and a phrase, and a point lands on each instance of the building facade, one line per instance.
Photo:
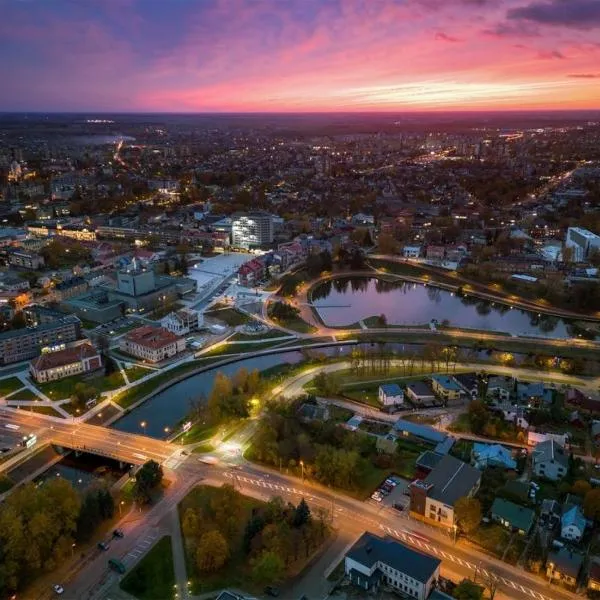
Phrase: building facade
(582, 242)
(252, 230)
(152, 344)
(50, 366)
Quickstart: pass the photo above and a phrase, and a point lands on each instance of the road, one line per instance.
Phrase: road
(350, 516)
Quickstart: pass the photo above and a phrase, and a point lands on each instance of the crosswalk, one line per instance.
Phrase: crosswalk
(268, 485)
(428, 546)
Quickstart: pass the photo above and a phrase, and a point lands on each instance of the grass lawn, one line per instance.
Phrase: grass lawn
(10, 384)
(204, 448)
(42, 410)
(236, 573)
(134, 372)
(338, 572)
(297, 324)
(24, 394)
(63, 388)
(246, 337)
(307, 342)
(492, 538)
(198, 432)
(153, 578)
(231, 316)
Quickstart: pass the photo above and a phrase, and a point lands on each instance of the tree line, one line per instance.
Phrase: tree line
(40, 526)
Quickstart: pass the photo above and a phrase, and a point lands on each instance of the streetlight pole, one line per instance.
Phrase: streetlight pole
(302, 465)
(121, 507)
(143, 426)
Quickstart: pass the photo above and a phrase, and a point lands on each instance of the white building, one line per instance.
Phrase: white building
(181, 322)
(550, 460)
(151, 343)
(582, 242)
(390, 394)
(411, 251)
(373, 561)
(251, 230)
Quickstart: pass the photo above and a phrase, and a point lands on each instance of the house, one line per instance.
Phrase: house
(446, 387)
(550, 460)
(420, 392)
(181, 322)
(535, 437)
(583, 401)
(427, 461)
(572, 523)
(435, 252)
(432, 499)
(492, 455)
(515, 414)
(151, 343)
(391, 394)
(425, 433)
(469, 383)
(594, 574)
(50, 366)
(550, 514)
(512, 516)
(563, 565)
(500, 387)
(411, 251)
(251, 272)
(373, 561)
(534, 394)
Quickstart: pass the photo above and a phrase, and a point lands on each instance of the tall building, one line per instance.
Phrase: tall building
(252, 230)
(582, 242)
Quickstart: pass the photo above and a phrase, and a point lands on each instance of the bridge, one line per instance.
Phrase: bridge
(95, 439)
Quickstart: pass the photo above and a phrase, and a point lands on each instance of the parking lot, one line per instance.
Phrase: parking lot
(392, 493)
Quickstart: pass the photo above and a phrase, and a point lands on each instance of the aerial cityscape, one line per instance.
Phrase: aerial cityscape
(300, 299)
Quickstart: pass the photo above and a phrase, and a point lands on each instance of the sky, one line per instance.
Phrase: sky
(298, 55)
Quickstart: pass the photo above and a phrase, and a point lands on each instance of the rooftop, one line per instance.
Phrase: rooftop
(448, 383)
(369, 549)
(391, 389)
(151, 337)
(451, 479)
(51, 360)
(422, 431)
(518, 516)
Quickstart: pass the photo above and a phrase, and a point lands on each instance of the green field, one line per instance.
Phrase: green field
(231, 316)
(43, 410)
(10, 384)
(153, 578)
(24, 394)
(63, 388)
(246, 337)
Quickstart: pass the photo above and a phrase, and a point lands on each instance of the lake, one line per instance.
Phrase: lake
(345, 301)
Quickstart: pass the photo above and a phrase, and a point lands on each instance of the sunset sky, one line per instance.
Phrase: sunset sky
(298, 55)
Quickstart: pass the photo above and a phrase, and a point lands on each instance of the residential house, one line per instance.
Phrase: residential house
(425, 433)
(446, 387)
(390, 394)
(433, 498)
(251, 272)
(500, 387)
(550, 514)
(550, 460)
(469, 383)
(420, 392)
(411, 251)
(151, 343)
(514, 414)
(50, 366)
(512, 516)
(534, 394)
(436, 253)
(181, 322)
(572, 523)
(535, 437)
(373, 561)
(594, 574)
(492, 455)
(564, 565)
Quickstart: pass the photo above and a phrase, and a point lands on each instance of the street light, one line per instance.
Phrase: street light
(302, 465)
(121, 507)
(143, 426)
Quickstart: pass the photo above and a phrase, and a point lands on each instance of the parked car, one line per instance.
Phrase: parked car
(118, 533)
(384, 491)
(58, 589)
(103, 546)
(377, 496)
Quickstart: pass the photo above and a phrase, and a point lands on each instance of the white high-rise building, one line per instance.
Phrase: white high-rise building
(251, 230)
(582, 242)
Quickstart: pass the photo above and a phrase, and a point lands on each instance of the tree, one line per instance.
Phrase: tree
(381, 320)
(581, 487)
(268, 568)
(212, 552)
(478, 416)
(468, 514)
(468, 590)
(301, 514)
(591, 504)
(190, 524)
(82, 392)
(386, 244)
(148, 478)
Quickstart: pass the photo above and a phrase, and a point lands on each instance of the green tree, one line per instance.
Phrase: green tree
(468, 590)
(468, 514)
(478, 416)
(147, 479)
(212, 551)
(89, 516)
(591, 504)
(190, 524)
(301, 514)
(268, 568)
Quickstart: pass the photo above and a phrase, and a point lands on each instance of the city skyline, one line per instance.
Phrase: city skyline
(267, 56)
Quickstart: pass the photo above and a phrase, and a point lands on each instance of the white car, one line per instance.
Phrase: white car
(377, 496)
(58, 588)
